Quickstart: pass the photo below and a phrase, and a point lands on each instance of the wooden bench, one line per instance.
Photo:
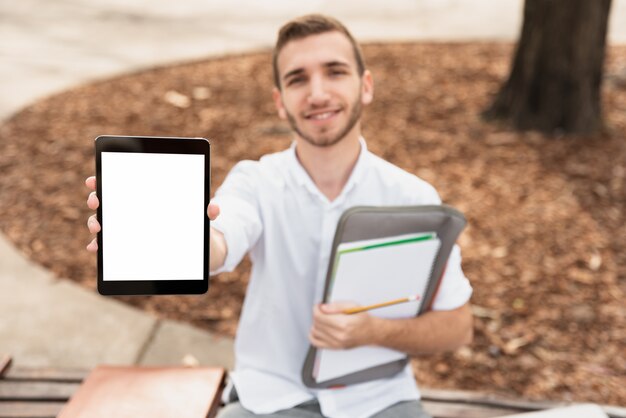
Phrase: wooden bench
(111, 391)
(43, 393)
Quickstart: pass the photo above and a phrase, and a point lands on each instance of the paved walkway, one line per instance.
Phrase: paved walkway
(50, 46)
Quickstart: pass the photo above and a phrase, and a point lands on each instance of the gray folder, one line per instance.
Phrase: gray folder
(366, 223)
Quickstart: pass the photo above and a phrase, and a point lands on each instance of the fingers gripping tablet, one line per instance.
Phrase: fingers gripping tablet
(154, 236)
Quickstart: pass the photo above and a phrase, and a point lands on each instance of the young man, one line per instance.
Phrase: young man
(283, 210)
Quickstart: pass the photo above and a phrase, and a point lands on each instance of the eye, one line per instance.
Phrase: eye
(337, 72)
(295, 80)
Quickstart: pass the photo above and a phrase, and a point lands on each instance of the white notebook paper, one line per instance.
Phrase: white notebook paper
(374, 271)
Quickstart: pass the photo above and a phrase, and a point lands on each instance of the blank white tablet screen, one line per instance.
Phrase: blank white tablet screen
(153, 216)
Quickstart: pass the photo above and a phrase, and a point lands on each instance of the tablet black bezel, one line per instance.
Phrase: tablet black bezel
(162, 145)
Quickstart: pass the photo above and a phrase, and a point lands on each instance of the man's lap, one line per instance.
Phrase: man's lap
(235, 410)
(408, 409)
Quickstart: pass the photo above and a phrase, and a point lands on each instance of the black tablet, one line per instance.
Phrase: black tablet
(153, 196)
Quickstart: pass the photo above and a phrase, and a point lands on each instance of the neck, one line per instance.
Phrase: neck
(330, 167)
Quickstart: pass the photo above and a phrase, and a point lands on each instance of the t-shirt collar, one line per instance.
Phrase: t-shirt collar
(302, 178)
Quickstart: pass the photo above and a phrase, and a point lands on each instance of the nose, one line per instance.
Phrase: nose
(318, 93)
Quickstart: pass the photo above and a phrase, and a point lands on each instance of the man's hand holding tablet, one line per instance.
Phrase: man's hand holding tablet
(153, 212)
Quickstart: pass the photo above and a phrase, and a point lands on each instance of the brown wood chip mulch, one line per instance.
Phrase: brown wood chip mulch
(546, 245)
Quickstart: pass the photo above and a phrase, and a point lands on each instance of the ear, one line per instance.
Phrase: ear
(367, 88)
(278, 101)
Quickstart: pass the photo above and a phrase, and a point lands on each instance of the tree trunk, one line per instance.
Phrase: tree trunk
(555, 79)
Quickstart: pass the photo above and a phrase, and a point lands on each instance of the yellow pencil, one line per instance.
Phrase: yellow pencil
(380, 305)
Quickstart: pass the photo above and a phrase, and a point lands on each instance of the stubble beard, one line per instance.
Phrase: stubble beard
(323, 141)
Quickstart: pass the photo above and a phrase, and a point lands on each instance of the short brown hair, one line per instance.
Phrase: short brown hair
(314, 24)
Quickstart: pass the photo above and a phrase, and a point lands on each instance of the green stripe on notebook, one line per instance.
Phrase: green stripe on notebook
(387, 244)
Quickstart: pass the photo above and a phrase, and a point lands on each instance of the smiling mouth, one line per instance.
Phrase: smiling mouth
(322, 115)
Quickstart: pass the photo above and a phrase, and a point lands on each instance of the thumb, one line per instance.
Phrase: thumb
(336, 307)
(213, 211)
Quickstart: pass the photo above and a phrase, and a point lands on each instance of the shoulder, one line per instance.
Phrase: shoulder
(407, 186)
(268, 170)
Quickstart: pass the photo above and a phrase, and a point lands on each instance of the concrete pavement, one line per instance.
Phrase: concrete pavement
(47, 47)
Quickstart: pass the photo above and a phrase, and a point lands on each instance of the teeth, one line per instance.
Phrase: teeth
(321, 116)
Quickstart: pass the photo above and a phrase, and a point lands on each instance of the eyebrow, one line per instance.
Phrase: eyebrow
(293, 73)
(329, 64)
(336, 64)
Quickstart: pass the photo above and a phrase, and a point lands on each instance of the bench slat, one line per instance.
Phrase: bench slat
(36, 391)
(30, 409)
(47, 374)
(441, 395)
(523, 405)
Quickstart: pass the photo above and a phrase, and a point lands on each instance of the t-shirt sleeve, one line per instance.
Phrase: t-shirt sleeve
(455, 289)
(239, 218)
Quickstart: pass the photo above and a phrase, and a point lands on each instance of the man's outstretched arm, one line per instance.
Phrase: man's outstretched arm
(432, 332)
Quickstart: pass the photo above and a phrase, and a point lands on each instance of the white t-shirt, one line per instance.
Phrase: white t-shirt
(272, 209)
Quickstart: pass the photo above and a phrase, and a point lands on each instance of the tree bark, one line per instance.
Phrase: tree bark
(555, 80)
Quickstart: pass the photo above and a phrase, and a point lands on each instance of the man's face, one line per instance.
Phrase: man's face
(321, 92)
